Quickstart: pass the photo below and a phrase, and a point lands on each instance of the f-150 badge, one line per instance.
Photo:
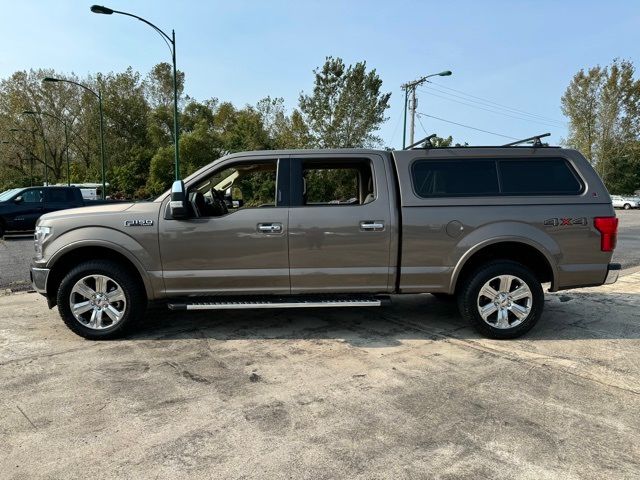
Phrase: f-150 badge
(138, 223)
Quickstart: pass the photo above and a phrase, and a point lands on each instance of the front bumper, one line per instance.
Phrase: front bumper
(613, 271)
(39, 279)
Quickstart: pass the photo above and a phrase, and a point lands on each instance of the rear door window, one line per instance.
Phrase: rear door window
(455, 178)
(59, 195)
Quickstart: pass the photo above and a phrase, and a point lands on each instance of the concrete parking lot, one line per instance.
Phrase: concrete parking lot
(406, 391)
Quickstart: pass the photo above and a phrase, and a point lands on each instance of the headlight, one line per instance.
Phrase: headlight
(42, 233)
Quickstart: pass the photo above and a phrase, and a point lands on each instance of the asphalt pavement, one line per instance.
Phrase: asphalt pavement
(16, 252)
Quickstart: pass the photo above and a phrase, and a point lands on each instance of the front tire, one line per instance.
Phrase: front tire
(101, 299)
(501, 299)
(627, 206)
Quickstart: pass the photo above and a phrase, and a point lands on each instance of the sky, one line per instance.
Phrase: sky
(515, 54)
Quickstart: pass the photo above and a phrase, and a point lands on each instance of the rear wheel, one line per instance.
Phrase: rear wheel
(100, 299)
(502, 299)
(627, 206)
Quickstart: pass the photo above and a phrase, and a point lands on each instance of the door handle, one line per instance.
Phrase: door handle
(372, 225)
(270, 227)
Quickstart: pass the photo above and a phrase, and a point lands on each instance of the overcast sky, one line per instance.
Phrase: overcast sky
(520, 55)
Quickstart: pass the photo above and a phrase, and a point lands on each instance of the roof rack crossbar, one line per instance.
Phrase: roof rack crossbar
(426, 141)
(535, 140)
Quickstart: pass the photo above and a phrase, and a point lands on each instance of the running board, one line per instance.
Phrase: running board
(279, 303)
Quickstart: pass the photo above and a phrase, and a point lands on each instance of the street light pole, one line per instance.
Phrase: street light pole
(98, 95)
(411, 86)
(171, 43)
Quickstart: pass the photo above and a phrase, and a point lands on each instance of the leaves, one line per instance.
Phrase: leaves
(603, 107)
(345, 110)
(346, 106)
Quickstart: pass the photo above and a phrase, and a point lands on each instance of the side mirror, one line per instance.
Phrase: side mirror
(178, 202)
(18, 199)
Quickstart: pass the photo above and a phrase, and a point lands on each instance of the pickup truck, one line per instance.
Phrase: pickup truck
(20, 208)
(486, 226)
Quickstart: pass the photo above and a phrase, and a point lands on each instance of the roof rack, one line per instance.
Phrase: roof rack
(426, 141)
(535, 140)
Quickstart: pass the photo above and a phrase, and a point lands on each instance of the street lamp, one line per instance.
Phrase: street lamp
(98, 95)
(44, 146)
(412, 86)
(66, 136)
(171, 43)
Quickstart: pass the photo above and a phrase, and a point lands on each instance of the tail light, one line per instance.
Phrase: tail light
(608, 228)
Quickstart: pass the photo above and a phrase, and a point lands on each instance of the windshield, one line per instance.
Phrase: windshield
(7, 194)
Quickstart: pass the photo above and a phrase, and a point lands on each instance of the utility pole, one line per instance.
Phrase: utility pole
(410, 87)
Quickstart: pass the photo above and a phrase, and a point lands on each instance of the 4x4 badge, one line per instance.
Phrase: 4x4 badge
(565, 222)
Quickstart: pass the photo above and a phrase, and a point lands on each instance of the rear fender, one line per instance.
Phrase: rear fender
(503, 232)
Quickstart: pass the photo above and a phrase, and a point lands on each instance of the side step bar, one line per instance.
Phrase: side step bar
(280, 303)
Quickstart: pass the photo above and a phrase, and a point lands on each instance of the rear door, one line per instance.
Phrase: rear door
(60, 198)
(340, 224)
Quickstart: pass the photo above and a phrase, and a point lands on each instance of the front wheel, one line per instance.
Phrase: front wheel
(627, 206)
(100, 299)
(501, 299)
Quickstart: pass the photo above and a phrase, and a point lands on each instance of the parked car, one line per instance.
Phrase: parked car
(330, 228)
(20, 208)
(627, 203)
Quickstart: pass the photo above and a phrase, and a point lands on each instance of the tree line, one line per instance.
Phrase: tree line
(344, 109)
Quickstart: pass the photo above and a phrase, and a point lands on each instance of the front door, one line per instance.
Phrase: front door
(235, 241)
(340, 224)
(28, 208)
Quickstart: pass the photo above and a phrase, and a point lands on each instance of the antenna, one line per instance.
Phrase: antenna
(535, 139)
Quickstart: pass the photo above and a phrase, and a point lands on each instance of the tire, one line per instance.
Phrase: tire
(109, 299)
(1, 231)
(626, 206)
(521, 314)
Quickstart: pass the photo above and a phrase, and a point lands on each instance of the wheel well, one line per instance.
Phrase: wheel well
(522, 253)
(79, 255)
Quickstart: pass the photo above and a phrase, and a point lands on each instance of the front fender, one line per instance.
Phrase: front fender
(146, 262)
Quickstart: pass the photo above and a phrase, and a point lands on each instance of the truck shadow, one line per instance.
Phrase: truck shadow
(571, 316)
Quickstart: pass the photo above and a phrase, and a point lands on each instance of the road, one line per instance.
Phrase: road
(406, 391)
(16, 252)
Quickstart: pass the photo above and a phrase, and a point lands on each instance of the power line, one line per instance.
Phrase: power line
(423, 129)
(539, 122)
(495, 103)
(465, 126)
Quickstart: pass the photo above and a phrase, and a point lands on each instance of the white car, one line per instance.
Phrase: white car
(624, 202)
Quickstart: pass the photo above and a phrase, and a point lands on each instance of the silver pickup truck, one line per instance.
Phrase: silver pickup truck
(338, 228)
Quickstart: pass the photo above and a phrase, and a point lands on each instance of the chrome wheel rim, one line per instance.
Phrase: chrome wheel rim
(97, 302)
(504, 301)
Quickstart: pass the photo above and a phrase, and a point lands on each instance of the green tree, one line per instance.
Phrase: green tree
(603, 108)
(346, 107)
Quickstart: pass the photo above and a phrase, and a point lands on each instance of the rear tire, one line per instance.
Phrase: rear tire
(101, 299)
(501, 299)
(626, 206)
